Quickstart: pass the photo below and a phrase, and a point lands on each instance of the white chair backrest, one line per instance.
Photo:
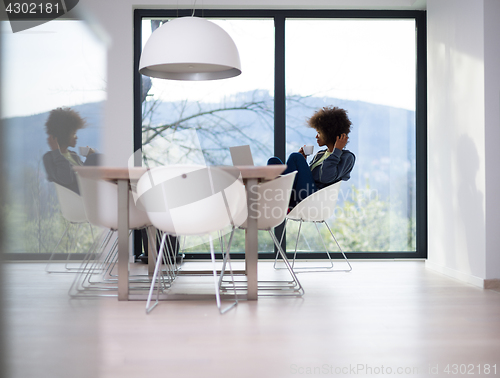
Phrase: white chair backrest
(319, 206)
(274, 197)
(71, 205)
(100, 199)
(193, 199)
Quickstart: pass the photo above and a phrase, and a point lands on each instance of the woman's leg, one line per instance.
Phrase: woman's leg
(303, 184)
(274, 161)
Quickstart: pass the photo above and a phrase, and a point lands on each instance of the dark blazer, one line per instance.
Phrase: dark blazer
(60, 170)
(336, 167)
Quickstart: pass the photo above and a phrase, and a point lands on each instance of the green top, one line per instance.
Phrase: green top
(321, 159)
(70, 158)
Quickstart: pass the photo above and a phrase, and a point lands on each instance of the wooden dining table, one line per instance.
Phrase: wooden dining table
(251, 176)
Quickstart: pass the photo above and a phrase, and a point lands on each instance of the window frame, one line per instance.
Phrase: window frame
(280, 17)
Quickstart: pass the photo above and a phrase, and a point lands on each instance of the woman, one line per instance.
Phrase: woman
(61, 127)
(329, 165)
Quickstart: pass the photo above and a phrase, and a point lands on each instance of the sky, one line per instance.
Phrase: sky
(62, 63)
(59, 63)
(366, 60)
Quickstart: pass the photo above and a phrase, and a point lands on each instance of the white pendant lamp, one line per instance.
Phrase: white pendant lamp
(190, 48)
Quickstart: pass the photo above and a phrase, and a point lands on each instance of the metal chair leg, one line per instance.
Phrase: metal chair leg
(299, 289)
(216, 281)
(225, 257)
(54, 251)
(296, 245)
(273, 287)
(281, 241)
(72, 247)
(89, 251)
(327, 254)
(159, 260)
(327, 269)
(67, 268)
(89, 267)
(341, 251)
(316, 268)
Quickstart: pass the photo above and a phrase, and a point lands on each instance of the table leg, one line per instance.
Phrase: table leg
(251, 240)
(123, 244)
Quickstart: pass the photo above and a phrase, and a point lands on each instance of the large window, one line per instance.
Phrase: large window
(366, 66)
(186, 121)
(370, 63)
(197, 122)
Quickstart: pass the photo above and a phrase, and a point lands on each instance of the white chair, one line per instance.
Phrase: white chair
(193, 200)
(272, 207)
(317, 208)
(100, 201)
(72, 210)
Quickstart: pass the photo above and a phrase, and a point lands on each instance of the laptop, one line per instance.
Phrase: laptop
(241, 155)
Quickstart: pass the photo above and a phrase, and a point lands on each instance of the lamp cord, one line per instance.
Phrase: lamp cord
(192, 15)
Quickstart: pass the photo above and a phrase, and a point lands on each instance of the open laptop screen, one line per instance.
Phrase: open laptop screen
(241, 155)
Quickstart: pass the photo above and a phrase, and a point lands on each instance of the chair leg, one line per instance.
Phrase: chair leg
(317, 268)
(341, 251)
(326, 250)
(296, 243)
(216, 280)
(159, 260)
(299, 288)
(266, 288)
(89, 268)
(156, 237)
(54, 251)
(225, 257)
(311, 269)
(324, 245)
(89, 250)
(153, 243)
(222, 242)
(105, 265)
(171, 259)
(113, 265)
(281, 241)
(67, 268)
(72, 245)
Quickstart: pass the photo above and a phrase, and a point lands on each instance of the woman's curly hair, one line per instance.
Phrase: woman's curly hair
(62, 122)
(331, 122)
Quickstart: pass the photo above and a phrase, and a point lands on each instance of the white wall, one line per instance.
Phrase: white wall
(116, 18)
(492, 136)
(462, 133)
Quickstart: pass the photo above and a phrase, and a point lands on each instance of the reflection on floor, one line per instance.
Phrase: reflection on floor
(383, 317)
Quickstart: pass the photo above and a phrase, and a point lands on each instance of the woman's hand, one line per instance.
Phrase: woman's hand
(341, 142)
(301, 151)
(52, 141)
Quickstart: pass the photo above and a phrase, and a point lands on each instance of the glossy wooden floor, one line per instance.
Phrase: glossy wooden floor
(382, 318)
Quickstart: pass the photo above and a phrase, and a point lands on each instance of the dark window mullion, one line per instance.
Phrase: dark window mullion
(279, 88)
(138, 240)
(421, 137)
(279, 102)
